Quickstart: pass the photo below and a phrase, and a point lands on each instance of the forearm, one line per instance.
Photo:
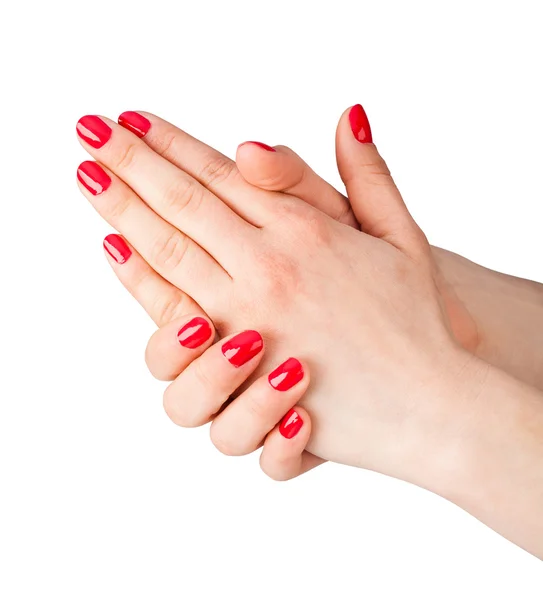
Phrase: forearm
(508, 312)
(498, 472)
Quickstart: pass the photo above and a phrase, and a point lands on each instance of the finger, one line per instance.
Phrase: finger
(284, 456)
(173, 347)
(169, 252)
(280, 169)
(242, 426)
(206, 383)
(161, 300)
(169, 191)
(375, 199)
(213, 170)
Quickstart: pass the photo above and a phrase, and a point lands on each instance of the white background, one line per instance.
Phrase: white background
(101, 496)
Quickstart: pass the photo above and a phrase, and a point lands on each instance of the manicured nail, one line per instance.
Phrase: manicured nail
(286, 375)
(93, 177)
(93, 130)
(360, 124)
(194, 333)
(117, 248)
(134, 122)
(291, 424)
(242, 347)
(261, 145)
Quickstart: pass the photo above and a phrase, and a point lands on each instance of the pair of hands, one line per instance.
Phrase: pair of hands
(369, 312)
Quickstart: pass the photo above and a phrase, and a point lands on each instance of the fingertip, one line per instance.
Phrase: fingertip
(293, 422)
(275, 169)
(116, 248)
(195, 332)
(175, 345)
(291, 375)
(252, 144)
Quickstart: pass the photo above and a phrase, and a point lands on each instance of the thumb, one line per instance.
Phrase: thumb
(280, 169)
(375, 199)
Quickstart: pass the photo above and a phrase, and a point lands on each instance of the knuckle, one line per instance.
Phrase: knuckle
(259, 407)
(166, 308)
(165, 146)
(218, 169)
(170, 250)
(127, 156)
(203, 380)
(374, 171)
(183, 194)
(307, 225)
(115, 211)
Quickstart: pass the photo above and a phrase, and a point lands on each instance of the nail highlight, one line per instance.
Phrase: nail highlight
(93, 177)
(291, 424)
(194, 333)
(242, 347)
(286, 375)
(93, 130)
(360, 124)
(134, 122)
(117, 248)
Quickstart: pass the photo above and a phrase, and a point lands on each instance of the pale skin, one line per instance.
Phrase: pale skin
(392, 390)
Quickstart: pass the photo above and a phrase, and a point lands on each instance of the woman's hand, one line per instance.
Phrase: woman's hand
(363, 311)
(392, 391)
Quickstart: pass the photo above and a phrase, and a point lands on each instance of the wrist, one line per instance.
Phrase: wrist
(492, 464)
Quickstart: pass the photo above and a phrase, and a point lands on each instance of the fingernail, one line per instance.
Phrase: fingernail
(286, 375)
(93, 177)
(242, 347)
(360, 124)
(261, 145)
(93, 130)
(117, 248)
(194, 333)
(291, 424)
(134, 122)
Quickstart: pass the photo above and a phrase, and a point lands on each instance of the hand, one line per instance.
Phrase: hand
(352, 305)
(496, 316)
(491, 314)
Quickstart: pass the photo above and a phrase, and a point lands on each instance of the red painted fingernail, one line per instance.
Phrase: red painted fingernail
(117, 248)
(360, 124)
(242, 347)
(93, 177)
(261, 145)
(134, 122)
(194, 333)
(93, 130)
(291, 424)
(286, 375)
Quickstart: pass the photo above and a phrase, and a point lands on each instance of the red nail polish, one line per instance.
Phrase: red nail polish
(93, 130)
(286, 375)
(93, 177)
(261, 145)
(194, 333)
(242, 347)
(291, 424)
(360, 124)
(134, 122)
(117, 248)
